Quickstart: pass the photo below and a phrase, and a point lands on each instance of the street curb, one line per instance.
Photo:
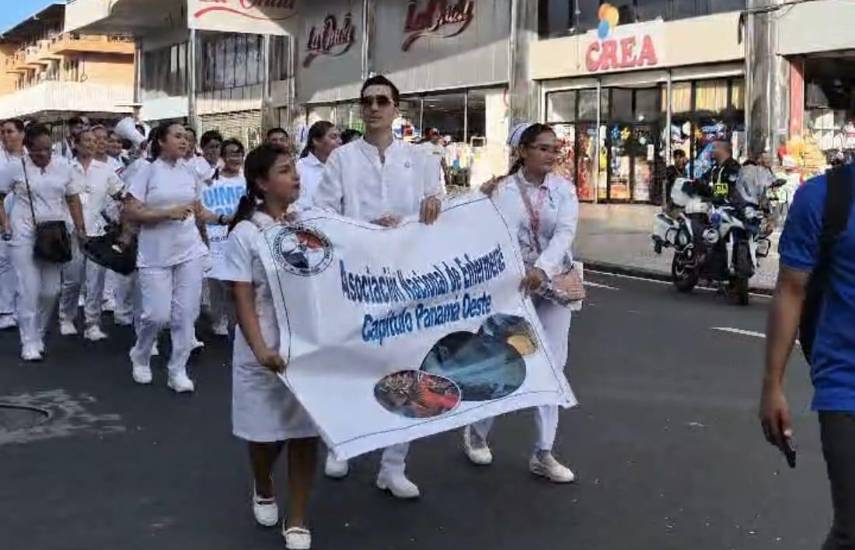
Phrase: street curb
(643, 273)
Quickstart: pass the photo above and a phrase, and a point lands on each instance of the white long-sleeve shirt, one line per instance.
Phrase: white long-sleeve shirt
(99, 183)
(358, 185)
(557, 208)
(311, 170)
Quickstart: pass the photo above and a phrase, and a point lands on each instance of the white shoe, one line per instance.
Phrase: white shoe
(142, 374)
(7, 322)
(297, 538)
(40, 347)
(67, 328)
(221, 328)
(336, 469)
(265, 510)
(94, 334)
(31, 353)
(108, 305)
(477, 451)
(398, 485)
(543, 464)
(180, 383)
(197, 344)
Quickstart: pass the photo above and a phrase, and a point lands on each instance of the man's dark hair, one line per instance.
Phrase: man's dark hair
(678, 154)
(350, 135)
(277, 130)
(209, 136)
(75, 120)
(380, 80)
(17, 122)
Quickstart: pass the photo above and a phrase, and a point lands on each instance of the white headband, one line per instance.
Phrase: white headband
(517, 132)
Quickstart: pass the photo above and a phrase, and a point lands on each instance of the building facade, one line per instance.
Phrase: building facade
(49, 75)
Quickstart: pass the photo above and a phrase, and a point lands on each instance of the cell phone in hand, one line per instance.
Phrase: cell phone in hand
(789, 451)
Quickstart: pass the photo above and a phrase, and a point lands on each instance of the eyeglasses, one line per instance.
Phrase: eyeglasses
(381, 101)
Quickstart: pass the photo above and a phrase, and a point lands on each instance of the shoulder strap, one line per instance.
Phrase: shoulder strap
(838, 204)
(529, 208)
(29, 192)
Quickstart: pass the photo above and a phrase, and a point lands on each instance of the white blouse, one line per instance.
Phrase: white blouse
(164, 185)
(100, 184)
(311, 171)
(50, 187)
(357, 184)
(556, 208)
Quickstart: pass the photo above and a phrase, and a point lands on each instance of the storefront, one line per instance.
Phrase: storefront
(623, 97)
(451, 65)
(821, 83)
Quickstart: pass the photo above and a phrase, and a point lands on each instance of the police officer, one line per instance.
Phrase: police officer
(721, 178)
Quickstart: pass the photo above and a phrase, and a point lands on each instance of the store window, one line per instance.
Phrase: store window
(447, 113)
(227, 61)
(164, 72)
(561, 106)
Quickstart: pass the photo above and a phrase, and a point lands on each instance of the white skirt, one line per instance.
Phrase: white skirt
(263, 408)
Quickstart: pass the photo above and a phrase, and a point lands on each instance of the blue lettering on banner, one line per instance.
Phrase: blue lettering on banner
(223, 199)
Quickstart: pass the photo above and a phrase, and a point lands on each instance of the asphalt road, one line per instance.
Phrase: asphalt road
(665, 443)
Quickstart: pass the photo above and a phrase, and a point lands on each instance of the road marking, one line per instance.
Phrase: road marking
(599, 285)
(668, 283)
(743, 332)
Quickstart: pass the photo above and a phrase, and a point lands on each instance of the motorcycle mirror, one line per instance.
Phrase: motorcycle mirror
(780, 182)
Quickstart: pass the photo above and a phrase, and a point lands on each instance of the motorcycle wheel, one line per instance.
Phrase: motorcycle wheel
(684, 278)
(743, 274)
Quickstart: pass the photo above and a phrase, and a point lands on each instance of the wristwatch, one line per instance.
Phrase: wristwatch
(222, 219)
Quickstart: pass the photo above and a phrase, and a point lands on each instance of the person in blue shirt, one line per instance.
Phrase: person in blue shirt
(832, 356)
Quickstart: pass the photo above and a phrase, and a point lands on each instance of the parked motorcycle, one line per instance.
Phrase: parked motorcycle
(721, 244)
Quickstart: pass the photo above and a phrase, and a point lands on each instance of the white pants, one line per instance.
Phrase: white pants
(95, 275)
(125, 295)
(394, 459)
(170, 296)
(73, 275)
(39, 284)
(8, 280)
(556, 324)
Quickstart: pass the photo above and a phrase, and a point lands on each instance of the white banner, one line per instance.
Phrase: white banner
(276, 17)
(396, 334)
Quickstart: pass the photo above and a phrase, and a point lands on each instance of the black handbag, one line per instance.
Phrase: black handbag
(52, 243)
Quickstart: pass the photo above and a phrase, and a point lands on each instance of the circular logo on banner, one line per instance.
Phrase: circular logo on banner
(302, 250)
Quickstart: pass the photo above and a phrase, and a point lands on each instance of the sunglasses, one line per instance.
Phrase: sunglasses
(369, 100)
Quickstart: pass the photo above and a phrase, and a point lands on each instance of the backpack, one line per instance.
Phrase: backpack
(835, 219)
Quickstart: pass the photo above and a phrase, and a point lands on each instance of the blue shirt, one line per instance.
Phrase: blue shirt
(833, 356)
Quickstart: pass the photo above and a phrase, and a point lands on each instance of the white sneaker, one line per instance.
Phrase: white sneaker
(94, 334)
(180, 383)
(142, 374)
(7, 322)
(40, 347)
(477, 451)
(543, 464)
(336, 469)
(297, 538)
(398, 485)
(221, 328)
(67, 328)
(197, 344)
(108, 305)
(31, 353)
(265, 510)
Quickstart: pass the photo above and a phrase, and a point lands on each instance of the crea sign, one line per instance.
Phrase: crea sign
(631, 52)
(276, 17)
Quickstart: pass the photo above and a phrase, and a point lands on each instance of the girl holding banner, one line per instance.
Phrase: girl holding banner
(323, 139)
(264, 412)
(222, 198)
(546, 211)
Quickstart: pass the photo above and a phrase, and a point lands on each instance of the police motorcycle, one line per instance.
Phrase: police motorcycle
(719, 244)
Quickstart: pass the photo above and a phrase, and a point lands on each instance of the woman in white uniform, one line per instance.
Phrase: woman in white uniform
(100, 186)
(324, 138)
(165, 200)
(546, 241)
(264, 412)
(55, 197)
(13, 150)
(221, 197)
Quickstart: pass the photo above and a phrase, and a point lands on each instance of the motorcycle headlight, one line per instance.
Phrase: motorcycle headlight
(683, 238)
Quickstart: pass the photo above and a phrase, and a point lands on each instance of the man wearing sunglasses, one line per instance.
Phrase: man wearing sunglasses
(381, 180)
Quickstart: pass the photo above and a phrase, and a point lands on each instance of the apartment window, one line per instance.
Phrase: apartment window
(279, 52)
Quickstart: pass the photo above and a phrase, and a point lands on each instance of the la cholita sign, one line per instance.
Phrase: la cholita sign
(277, 17)
(614, 48)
